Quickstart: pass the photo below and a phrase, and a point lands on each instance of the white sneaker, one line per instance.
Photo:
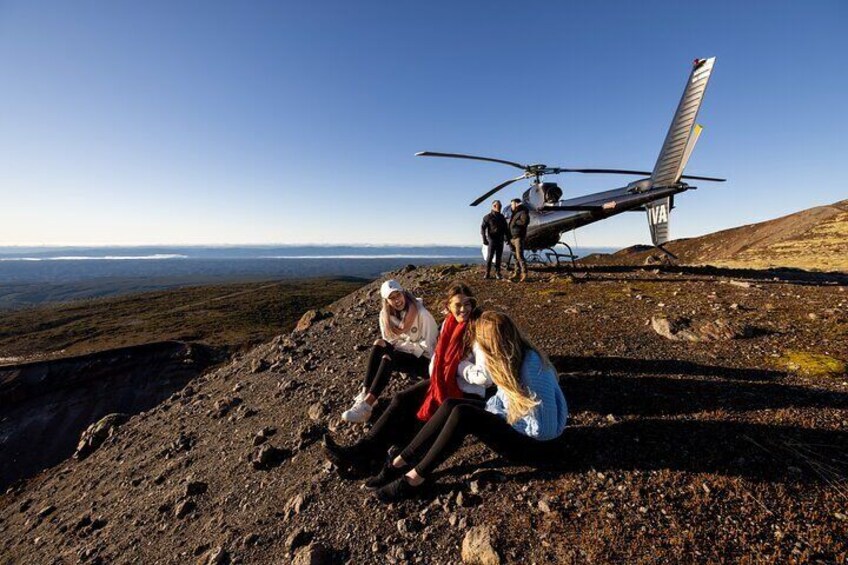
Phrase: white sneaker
(359, 413)
(360, 397)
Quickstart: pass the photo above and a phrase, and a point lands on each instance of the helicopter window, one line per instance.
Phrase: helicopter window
(553, 193)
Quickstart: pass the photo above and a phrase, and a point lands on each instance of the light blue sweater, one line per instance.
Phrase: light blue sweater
(547, 420)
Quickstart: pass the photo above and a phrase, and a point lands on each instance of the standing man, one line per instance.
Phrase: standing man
(517, 234)
(494, 231)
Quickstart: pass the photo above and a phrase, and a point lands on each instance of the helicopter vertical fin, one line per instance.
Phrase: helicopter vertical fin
(658, 212)
(673, 156)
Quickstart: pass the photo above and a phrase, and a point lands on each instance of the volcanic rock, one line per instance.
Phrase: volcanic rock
(313, 554)
(94, 436)
(316, 411)
(683, 329)
(268, 456)
(259, 365)
(477, 547)
(309, 318)
(194, 488)
(295, 505)
(184, 508)
(298, 538)
(217, 556)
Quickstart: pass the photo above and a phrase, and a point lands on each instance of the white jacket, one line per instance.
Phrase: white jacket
(421, 337)
(471, 374)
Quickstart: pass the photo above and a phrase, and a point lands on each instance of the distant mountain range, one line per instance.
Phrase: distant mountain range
(815, 239)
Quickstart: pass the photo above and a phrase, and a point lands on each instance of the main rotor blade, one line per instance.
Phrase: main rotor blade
(473, 157)
(497, 188)
(628, 172)
(603, 171)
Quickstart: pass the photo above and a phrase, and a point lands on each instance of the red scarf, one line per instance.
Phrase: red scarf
(448, 354)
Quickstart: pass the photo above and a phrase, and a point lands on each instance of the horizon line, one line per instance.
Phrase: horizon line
(259, 245)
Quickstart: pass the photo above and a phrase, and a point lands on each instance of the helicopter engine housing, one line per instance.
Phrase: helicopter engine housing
(639, 186)
(541, 194)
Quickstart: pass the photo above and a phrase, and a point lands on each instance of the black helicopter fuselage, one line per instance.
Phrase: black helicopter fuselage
(549, 220)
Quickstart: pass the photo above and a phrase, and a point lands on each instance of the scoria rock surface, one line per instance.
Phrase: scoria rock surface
(675, 452)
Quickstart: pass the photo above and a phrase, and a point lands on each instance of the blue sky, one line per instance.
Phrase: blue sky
(294, 122)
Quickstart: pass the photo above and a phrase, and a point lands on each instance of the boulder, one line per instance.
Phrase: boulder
(313, 554)
(184, 508)
(477, 547)
(268, 457)
(309, 318)
(259, 366)
(94, 436)
(298, 538)
(295, 505)
(194, 488)
(684, 329)
(218, 556)
(316, 411)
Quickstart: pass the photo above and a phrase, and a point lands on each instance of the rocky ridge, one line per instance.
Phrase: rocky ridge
(814, 239)
(677, 450)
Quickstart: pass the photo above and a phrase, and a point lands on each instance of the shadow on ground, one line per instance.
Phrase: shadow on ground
(652, 390)
(772, 276)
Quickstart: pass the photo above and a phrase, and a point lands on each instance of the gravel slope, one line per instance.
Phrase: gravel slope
(720, 451)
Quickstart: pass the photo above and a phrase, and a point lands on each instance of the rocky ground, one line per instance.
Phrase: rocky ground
(723, 440)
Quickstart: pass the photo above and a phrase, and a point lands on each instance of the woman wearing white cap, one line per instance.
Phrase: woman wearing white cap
(409, 335)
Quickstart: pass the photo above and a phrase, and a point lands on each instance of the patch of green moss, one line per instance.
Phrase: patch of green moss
(812, 364)
(552, 292)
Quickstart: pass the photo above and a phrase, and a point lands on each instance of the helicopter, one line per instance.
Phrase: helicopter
(551, 217)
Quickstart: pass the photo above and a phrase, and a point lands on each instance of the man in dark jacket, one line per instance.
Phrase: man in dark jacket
(494, 231)
(517, 235)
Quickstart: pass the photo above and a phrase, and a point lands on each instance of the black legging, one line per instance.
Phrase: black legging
(384, 359)
(398, 423)
(442, 435)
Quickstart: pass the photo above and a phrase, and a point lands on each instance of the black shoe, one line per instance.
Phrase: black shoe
(387, 474)
(498, 276)
(342, 456)
(398, 489)
(488, 276)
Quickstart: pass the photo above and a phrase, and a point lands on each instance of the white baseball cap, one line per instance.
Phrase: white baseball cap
(389, 287)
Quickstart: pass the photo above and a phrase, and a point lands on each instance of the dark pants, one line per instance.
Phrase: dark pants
(517, 244)
(398, 424)
(455, 419)
(495, 252)
(385, 359)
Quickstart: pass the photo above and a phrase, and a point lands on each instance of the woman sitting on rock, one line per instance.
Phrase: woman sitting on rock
(518, 422)
(452, 375)
(409, 335)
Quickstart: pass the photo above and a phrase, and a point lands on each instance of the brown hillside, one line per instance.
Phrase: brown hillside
(814, 239)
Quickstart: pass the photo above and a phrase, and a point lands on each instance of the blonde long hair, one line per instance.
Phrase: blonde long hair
(505, 346)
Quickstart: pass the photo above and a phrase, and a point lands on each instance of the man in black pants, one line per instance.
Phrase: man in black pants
(494, 231)
(517, 234)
